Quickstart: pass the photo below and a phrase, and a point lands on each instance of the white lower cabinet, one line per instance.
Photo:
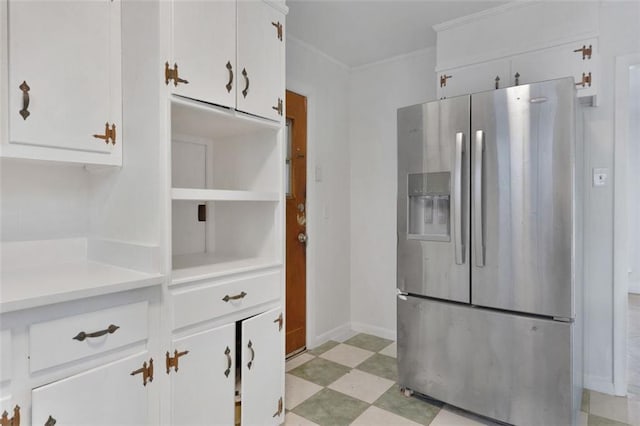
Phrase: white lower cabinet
(106, 395)
(207, 382)
(203, 381)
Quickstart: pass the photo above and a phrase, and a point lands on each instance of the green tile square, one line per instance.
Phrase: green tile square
(381, 365)
(585, 401)
(412, 408)
(369, 342)
(601, 421)
(320, 371)
(323, 347)
(329, 407)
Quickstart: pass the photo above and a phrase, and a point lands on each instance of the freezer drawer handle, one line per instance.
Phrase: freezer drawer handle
(457, 200)
(477, 199)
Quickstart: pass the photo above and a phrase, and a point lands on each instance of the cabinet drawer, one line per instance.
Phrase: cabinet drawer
(60, 341)
(205, 302)
(6, 355)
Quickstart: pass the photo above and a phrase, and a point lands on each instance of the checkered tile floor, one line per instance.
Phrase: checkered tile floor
(354, 382)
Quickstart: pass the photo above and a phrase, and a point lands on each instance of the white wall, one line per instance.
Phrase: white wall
(633, 170)
(325, 82)
(377, 91)
(42, 201)
(619, 34)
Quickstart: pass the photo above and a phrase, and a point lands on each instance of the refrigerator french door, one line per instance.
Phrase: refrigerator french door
(486, 253)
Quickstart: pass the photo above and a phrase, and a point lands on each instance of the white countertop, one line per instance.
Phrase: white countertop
(29, 287)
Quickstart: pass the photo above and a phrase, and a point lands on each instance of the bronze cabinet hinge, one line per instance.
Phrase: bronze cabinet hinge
(172, 74)
(443, 79)
(146, 370)
(279, 107)
(109, 134)
(586, 52)
(50, 421)
(497, 81)
(172, 361)
(586, 80)
(278, 26)
(517, 77)
(13, 421)
(279, 321)
(280, 407)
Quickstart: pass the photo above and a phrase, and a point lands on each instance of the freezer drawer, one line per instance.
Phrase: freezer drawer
(511, 368)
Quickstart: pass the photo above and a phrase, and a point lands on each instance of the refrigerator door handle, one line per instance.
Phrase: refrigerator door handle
(477, 199)
(457, 200)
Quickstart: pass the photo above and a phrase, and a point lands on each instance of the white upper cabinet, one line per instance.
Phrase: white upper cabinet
(64, 81)
(228, 53)
(473, 79)
(260, 58)
(204, 50)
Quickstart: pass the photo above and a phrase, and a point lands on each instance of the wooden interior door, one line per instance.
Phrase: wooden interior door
(296, 239)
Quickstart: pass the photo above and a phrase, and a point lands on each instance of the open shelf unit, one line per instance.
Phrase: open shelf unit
(227, 196)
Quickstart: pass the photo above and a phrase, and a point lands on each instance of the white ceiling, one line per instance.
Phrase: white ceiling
(358, 32)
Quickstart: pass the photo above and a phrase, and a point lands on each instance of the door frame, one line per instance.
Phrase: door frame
(308, 92)
(620, 243)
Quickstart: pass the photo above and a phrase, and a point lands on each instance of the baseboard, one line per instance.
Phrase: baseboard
(599, 384)
(385, 333)
(339, 334)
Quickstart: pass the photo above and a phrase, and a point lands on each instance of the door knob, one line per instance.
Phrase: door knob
(302, 238)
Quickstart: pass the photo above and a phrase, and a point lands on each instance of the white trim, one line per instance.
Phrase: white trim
(315, 50)
(598, 384)
(399, 57)
(339, 334)
(457, 22)
(620, 248)
(385, 333)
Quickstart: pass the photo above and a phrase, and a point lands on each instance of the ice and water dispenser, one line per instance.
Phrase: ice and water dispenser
(429, 196)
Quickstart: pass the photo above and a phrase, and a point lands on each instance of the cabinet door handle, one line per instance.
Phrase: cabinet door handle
(228, 370)
(253, 354)
(236, 297)
(24, 112)
(229, 85)
(245, 92)
(82, 335)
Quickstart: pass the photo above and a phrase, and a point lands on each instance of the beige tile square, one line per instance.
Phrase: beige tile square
(347, 355)
(616, 408)
(448, 418)
(292, 419)
(297, 361)
(363, 386)
(391, 350)
(298, 390)
(376, 416)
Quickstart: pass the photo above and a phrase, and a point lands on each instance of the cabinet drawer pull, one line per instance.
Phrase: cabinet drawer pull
(24, 112)
(228, 370)
(245, 92)
(82, 335)
(229, 85)
(253, 354)
(236, 297)
(50, 421)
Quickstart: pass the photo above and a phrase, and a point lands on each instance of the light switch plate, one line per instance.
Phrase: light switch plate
(600, 177)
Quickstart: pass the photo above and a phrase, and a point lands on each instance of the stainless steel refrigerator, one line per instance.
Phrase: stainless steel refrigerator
(488, 253)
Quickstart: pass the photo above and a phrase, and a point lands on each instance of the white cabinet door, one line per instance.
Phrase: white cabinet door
(68, 54)
(204, 48)
(263, 369)
(473, 79)
(557, 62)
(260, 59)
(202, 389)
(107, 395)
